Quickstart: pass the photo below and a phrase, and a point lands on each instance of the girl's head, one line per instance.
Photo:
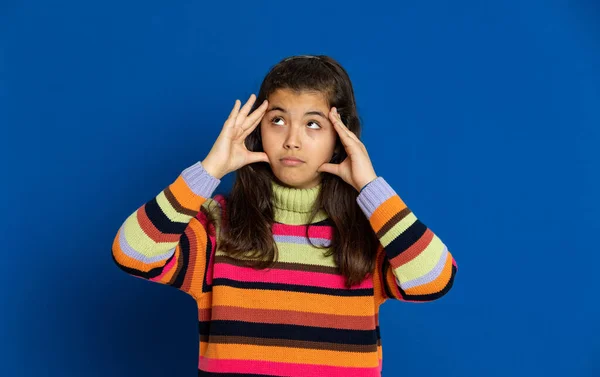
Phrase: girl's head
(301, 91)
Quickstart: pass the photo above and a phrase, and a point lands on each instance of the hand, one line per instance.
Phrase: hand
(356, 169)
(229, 152)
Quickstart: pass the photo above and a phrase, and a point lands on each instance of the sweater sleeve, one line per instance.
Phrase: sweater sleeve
(166, 239)
(413, 264)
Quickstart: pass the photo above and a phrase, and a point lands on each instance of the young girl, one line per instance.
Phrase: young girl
(289, 269)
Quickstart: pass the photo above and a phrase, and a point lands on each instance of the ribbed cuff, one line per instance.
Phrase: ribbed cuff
(200, 181)
(373, 195)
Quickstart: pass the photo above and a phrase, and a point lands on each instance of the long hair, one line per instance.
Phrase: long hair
(249, 209)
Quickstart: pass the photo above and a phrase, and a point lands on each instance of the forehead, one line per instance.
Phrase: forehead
(298, 100)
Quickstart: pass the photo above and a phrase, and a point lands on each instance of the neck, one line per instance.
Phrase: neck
(293, 205)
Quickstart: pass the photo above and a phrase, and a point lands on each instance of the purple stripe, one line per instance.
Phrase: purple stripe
(199, 180)
(132, 253)
(373, 195)
(431, 275)
(303, 240)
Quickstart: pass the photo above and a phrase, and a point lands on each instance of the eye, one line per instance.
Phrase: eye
(273, 120)
(277, 118)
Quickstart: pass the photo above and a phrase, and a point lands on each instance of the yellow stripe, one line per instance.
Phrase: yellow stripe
(169, 211)
(398, 229)
(141, 242)
(305, 254)
(422, 263)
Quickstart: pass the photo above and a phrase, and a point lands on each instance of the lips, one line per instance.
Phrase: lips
(291, 159)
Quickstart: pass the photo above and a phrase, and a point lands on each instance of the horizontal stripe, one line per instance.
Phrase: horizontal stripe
(293, 332)
(432, 296)
(299, 240)
(398, 229)
(314, 231)
(292, 288)
(422, 263)
(304, 254)
(431, 275)
(435, 285)
(283, 369)
(295, 301)
(281, 276)
(290, 317)
(250, 353)
(128, 250)
(222, 258)
(273, 341)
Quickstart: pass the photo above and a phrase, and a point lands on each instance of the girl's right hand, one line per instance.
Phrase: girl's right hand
(229, 152)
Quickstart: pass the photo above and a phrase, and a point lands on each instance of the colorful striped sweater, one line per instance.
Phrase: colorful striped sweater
(296, 319)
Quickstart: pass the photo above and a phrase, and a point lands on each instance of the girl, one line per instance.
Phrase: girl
(289, 269)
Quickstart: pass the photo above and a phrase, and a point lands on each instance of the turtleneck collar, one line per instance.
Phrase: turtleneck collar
(293, 205)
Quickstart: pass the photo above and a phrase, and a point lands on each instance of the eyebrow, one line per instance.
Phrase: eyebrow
(314, 112)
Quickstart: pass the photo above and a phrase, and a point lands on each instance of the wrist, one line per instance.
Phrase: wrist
(212, 169)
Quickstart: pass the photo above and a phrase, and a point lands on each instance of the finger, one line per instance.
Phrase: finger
(245, 109)
(337, 121)
(236, 108)
(344, 134)
(248, 131)
(233, 114)
(329, 168)
(258, 113)
(259, 157)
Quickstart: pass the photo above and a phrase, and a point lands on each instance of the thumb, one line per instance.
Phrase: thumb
(259, 157)
(328, 168)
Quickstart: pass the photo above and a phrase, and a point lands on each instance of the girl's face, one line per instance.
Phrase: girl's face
(297, 125)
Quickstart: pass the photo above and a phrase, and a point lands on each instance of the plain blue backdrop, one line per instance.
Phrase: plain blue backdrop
(483, 116)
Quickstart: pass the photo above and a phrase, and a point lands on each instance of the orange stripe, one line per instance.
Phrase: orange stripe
(297, 301)
(185, 196)
(197, 262)
(438, 284)
(386, 211)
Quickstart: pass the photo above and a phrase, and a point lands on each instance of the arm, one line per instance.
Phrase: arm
(413, 263)
(165, 240)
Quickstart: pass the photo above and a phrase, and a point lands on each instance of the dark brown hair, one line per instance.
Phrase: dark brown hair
(249, 209)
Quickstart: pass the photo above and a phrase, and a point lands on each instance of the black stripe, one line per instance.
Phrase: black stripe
(406, 239)
(294, 288)
(207, 253)
(161, 221)
(184, 245)
(384, 269)
(433, 296)
(292, 332)
(146, 275)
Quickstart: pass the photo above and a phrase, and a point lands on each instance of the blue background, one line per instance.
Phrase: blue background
(483, 117)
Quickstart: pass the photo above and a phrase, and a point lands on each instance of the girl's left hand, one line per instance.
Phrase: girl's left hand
(356, 169)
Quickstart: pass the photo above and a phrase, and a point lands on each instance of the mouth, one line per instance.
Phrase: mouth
(291, 161)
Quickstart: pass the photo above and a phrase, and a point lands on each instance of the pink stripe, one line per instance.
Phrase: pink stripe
(307, 278)
(165, 270)
(300, 230)
(279, 369)
(209, 271)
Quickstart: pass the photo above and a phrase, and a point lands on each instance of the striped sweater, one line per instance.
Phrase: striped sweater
(296, 319)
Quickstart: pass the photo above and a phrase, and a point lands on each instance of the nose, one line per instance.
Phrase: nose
(292, 141)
